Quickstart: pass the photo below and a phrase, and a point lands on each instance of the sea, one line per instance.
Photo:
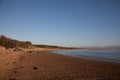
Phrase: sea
(103, 55)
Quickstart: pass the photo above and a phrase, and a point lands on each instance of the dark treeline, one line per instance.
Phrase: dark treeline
(11, 43)
(53, 47)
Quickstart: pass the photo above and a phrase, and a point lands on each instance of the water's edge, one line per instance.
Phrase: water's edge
(110, 56)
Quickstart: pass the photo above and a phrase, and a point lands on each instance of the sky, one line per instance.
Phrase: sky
(70, 23)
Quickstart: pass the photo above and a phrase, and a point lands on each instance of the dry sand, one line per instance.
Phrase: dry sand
(44, 65)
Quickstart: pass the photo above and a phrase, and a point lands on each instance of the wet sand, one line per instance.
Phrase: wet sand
(44, 65)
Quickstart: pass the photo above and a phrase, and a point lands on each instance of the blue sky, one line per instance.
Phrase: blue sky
(62, 22)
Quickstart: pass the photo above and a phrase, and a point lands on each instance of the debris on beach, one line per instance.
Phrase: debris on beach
(18, 49)
(33, 51)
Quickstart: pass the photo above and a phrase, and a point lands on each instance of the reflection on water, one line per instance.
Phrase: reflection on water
(106, 55)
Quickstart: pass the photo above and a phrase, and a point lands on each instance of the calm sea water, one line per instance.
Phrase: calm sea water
(105, 55)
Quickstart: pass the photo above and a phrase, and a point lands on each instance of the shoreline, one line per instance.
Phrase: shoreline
(45, 65)
(82, 56)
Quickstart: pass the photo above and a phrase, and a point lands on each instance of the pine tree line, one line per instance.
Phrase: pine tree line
(11, 43)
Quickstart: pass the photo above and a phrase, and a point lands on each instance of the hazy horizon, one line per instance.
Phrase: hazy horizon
(73, 23)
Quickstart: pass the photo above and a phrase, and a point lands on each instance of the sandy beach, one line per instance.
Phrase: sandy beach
(44, 65)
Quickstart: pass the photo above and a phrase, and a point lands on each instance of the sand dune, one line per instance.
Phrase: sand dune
(44, 65)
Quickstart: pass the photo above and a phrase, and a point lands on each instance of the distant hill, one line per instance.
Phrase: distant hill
(108, 48)
(113, 47)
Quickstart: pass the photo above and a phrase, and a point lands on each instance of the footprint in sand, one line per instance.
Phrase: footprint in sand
(14, 62)
(21, 67)
(15, 70)
(22, 58)
(35, 68)
(12, 79)
(7, 64)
